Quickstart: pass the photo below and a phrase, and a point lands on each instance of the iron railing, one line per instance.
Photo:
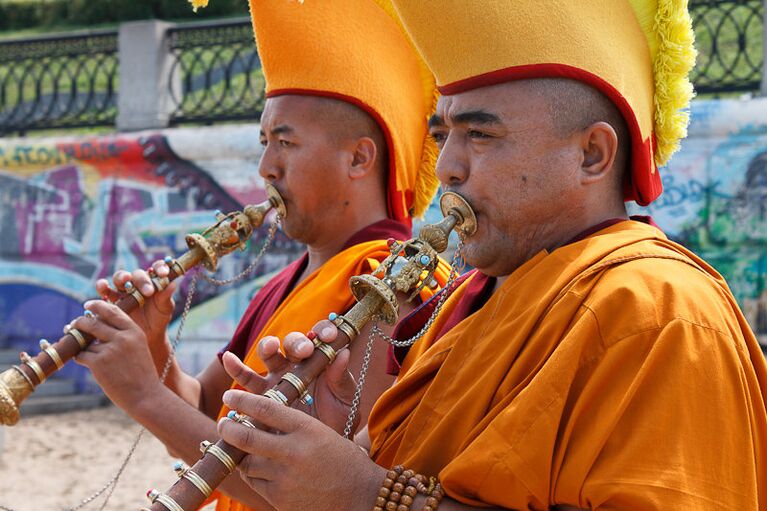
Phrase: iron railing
(58, 82)
(216, 73)
(729, 37)
(72, 81)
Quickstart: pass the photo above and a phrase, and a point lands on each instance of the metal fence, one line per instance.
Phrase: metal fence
(58, 82)
(215, 72)
(729, 35)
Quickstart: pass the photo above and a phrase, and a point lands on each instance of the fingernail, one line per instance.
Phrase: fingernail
(88, 304)
(227, 397)
(303, 345)
(146, 289)
(326, 332)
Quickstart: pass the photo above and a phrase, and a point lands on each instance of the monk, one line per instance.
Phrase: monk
(589, 362)
(347, 147)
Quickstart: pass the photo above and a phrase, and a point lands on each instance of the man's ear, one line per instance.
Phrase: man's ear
(599, 143)
(363, 158)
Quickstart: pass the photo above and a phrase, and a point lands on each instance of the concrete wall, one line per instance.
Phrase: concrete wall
(77, 209)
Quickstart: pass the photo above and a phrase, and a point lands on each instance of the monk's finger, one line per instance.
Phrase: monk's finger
(110, 314)
(243, 375)
(141, 281)
(268, 351)
(96, 328)
(297, 347)
(119, 279)
(160, 268)
(326, 330)
(268, 412)
(106, 292)
(251, 440)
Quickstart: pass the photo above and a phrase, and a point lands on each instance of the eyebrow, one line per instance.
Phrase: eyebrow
(469, 117)
(277, 130)
(476, 117)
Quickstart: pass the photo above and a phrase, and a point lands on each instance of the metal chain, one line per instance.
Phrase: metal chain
(360, 384)
(269, 239)
(456, 268)
(111, 485)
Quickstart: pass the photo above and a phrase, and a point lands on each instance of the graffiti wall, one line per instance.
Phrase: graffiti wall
(715, 197)
(75, 210)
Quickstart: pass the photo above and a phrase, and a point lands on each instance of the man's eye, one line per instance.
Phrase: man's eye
(284, 143)
(477, 134)
(263, 142)
(438, 137)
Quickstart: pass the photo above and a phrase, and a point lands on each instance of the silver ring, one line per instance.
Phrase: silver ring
(36, 368)
(21, 371)
(198, 482)
(207, 447)
(276, 395)
(168, 502)
(136, 294)
(51, 352)
(297, 383)
(328, 351)
(175, 266)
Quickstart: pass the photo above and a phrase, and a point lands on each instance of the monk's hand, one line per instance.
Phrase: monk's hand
(299, 463)
(332, 392)
(153, 318)
(119, 359)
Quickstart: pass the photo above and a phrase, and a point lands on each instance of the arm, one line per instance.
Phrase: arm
(122, 365)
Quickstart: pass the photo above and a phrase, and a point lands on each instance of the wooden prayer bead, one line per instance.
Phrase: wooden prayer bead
(391, 506)
(398, 487)
(410, 491)
(406, 500)
(431, 501)
(380, 501)
(394, 496)
(384, 492)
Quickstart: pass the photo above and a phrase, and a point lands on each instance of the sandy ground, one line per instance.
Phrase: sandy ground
(53, 462)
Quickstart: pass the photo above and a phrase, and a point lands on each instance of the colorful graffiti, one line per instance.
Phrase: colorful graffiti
(715, 197)
(75, 210)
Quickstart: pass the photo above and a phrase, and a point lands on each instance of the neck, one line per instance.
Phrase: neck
(575, 230)
(336, 233)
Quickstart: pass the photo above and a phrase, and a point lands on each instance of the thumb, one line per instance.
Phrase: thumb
(164, 300)
(339, 379)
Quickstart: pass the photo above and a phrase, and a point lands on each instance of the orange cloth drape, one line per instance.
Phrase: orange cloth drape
(324, 291)
(616, 372)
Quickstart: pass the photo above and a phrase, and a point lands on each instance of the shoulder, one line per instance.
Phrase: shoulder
(649, 293)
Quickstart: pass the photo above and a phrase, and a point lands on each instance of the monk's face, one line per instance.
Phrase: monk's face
(500, 150)
(304, 161)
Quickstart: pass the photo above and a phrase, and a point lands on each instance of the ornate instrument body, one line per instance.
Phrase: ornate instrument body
(410, 266)
(230, 232)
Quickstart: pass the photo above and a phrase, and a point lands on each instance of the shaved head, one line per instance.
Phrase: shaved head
(345, 121)
(575, 106)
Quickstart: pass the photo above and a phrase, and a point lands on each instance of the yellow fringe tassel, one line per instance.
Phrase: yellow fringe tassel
(196, 4)
(673, 62)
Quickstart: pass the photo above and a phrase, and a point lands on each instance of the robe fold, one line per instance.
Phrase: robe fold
(615, 372)
(324, 291)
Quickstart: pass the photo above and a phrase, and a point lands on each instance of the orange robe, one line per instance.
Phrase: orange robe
(616, 372)
(326, 290)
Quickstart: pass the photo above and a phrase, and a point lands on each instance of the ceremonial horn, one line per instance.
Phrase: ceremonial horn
(230, 232)
(408, 268)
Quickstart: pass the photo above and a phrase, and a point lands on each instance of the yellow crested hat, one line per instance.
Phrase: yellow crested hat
(357, 51)
(638, 53)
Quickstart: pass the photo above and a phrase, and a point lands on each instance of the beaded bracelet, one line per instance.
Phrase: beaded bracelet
(400, 488)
